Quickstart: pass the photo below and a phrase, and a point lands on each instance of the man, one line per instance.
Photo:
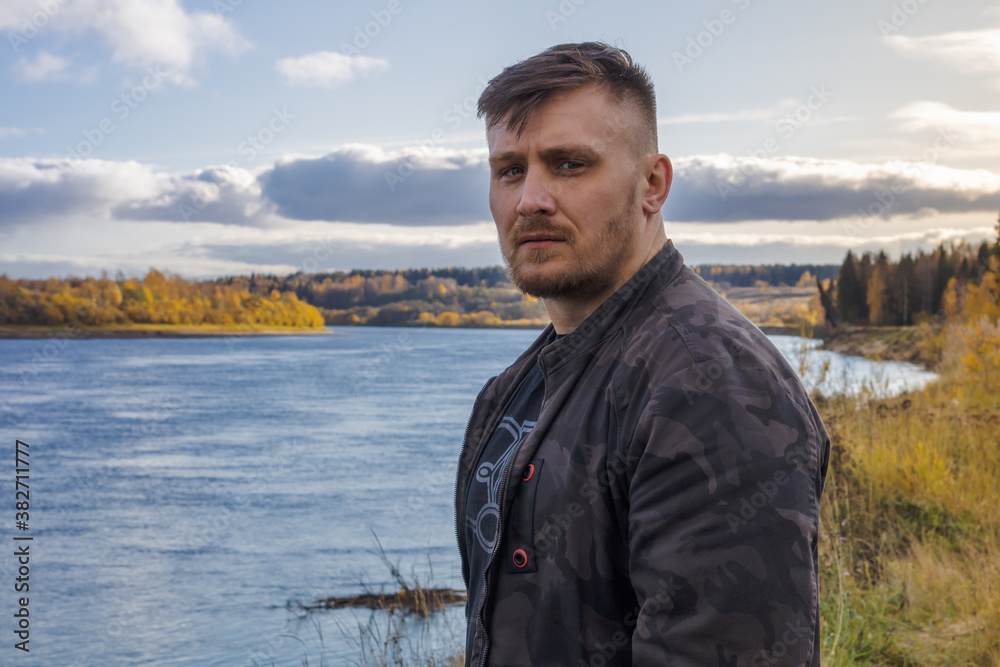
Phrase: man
(642, 485)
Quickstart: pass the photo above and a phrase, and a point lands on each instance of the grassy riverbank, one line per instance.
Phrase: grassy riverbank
(884, 343)
(910, 542)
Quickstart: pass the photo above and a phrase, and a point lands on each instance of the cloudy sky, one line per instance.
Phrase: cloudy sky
(219, 137)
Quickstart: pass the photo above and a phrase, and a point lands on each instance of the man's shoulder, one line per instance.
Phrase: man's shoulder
(687, 324)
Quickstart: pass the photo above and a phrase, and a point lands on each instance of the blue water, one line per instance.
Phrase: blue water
(184, 490)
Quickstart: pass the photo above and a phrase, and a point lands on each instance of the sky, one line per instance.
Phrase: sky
(224, 137)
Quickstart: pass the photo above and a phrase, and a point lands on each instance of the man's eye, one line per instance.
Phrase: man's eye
(512, 171)
(570, 164)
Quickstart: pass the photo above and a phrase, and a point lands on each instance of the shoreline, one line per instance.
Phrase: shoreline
(32, 332)
(882, 343)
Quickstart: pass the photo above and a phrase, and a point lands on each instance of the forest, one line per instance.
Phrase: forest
(158, 298)
(872, 289)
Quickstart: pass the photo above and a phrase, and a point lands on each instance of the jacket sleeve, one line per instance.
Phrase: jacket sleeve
(726, 470)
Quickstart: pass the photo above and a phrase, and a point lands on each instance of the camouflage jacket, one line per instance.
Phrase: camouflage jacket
(672, 514)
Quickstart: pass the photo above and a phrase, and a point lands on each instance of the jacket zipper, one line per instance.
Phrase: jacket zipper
(499, 539)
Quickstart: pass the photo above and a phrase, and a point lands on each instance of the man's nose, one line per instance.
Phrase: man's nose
(536, 195)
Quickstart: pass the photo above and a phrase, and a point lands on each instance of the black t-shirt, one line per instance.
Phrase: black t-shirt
(482, 509)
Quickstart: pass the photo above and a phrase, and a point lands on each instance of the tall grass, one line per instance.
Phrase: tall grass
(910, 532)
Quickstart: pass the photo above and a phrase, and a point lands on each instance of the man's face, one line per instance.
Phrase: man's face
(564, 195)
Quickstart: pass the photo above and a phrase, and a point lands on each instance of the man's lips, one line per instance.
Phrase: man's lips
(540, 240)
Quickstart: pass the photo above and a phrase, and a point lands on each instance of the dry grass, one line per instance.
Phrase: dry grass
(407, 627)
(910, 542)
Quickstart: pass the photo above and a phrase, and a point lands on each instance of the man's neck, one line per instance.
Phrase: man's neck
(569, 313)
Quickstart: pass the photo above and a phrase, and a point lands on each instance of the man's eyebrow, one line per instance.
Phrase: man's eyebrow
(581, 150)
(554, 152)
(501, 158)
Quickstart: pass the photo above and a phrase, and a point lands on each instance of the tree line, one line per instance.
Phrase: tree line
(872, 289)
(157, 298)
(772, 274)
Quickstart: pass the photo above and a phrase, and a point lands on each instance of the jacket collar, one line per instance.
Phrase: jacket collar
(655, 274)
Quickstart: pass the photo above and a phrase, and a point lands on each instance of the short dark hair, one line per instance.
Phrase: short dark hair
(519, 89)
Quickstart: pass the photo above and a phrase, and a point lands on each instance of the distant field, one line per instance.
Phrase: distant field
(788, 308)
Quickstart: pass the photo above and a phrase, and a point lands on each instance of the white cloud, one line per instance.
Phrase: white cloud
(925, 238)
(37, 190)
(140, 32)
(16, 14)
(724, 188)
(362, 183)
(328, 68)
(224, 194)
(45, 67)
(970, 125)
(971, 51)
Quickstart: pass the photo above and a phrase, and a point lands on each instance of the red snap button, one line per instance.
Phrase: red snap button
(528, 473)
(520, 558)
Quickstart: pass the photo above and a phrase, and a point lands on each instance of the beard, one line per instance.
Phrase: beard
(594, 270)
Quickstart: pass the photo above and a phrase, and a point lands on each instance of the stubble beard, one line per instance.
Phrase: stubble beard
(591, 275)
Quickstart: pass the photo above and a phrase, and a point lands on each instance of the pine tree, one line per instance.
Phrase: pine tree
(944, 272)
(848, 292)
(877, 296)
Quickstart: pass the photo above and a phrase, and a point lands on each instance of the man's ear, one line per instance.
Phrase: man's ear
(659, 175)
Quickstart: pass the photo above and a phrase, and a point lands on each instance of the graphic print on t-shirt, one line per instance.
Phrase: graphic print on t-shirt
(484, 525)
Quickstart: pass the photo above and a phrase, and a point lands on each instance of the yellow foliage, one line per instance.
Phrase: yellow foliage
(447, 319)
(156, 299)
